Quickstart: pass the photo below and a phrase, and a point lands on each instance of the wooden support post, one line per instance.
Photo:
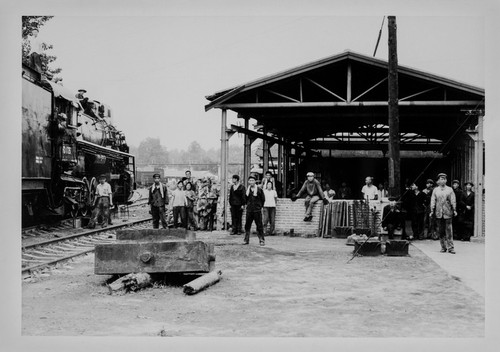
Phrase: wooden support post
(246, 154)
(279, 171)
(265, 154)
(479, 179)
(286, 169)
(349, 83)
(223, 176)
(296, 168)
(394, 153)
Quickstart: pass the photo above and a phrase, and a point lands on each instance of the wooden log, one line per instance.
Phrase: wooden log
(130, 282)
(124, 257)
(202, 282)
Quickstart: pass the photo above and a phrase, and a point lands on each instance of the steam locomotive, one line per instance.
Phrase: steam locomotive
(68, 141)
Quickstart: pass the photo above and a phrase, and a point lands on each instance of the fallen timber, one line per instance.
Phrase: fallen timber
(154, 251)
(202, 282)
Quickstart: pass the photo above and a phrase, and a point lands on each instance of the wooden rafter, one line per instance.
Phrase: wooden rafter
(298, 104)
(325, 89)
(282, 95)
(419, 93)
(369, 89)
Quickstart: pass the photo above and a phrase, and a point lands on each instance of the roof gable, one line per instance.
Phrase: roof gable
(326, 79)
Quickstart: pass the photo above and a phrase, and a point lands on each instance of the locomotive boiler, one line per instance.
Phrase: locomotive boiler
(67, 142)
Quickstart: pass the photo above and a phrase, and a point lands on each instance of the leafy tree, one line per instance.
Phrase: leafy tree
(151, 152)
(29, 24)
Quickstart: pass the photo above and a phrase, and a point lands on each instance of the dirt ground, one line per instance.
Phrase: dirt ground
(292, 287)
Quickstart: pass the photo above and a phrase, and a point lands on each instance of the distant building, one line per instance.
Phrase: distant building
(174, 174)
(145, 174)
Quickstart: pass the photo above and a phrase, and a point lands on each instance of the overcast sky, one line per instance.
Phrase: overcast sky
(155, 72)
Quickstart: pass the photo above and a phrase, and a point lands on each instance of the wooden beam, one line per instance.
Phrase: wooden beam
(246, 153)
(478, 200)
(379, 154)
(369, 89)
(234, 106)
(393, 146)
(300, 90)
(325, 89)
(349, 82)
(419, 93)
(265, 153)
(282, 95)
(255, 135)
(223, 176)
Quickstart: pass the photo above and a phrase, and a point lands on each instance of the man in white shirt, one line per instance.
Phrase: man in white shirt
(103, 201)
(370, 191)
(269, 210)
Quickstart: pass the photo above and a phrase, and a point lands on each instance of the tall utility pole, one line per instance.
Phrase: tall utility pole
(394, 155)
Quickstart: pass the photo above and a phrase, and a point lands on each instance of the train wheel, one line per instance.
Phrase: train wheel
(93, 187)
(85, 200)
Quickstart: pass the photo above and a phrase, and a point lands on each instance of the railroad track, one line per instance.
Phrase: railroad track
(39, 256)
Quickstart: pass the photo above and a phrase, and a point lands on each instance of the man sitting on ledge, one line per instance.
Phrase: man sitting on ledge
(312, 188)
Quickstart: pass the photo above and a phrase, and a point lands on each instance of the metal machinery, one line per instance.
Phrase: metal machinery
(67, 142)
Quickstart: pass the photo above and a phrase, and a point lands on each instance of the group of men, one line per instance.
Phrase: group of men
(253, 198)
(183, 202)
(441, 209)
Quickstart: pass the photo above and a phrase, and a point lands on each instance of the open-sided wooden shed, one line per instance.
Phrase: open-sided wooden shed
(331, 116)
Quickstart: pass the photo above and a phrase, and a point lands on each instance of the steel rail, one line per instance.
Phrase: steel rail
(85, 233)
(28, 270)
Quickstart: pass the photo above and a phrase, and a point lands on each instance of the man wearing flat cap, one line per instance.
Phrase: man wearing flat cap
(444, 208)
(158, 200)
(312, 188)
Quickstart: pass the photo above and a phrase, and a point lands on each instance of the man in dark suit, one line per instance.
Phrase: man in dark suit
(236, 202)
(255, 201)
(158, 199)
(457, 220)
(468, 212)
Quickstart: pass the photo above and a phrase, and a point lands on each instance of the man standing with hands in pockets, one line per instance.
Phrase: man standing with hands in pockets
(444, 208)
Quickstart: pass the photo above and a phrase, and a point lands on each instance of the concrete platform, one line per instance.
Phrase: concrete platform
(468, 264)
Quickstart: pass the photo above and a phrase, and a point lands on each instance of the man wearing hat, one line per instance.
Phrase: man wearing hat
(312, 188)
(255, 201)
(444, 208)
(103, 201)
(468, 214)
(429, 223)
(81, 94)
(158, 200)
